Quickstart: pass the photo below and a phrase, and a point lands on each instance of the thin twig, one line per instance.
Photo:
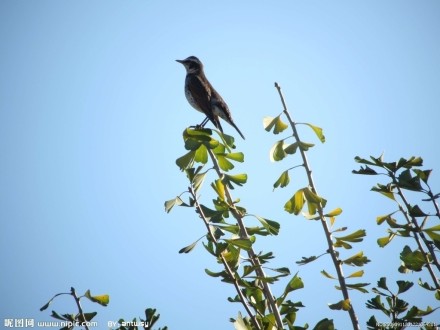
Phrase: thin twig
(251, 253)
(418, 233)
(336, 261)
(81, 313)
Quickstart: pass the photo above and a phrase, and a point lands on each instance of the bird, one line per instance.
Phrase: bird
(203, 97)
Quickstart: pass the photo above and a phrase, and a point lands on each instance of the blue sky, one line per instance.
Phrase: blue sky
(91, 115)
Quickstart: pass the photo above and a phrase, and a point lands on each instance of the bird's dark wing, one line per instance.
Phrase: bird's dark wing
(221, 109)
(201, 94)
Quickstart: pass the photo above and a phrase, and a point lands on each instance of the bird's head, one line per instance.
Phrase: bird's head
(192, 64)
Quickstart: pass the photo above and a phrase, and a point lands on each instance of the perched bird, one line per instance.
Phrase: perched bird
(203, 97)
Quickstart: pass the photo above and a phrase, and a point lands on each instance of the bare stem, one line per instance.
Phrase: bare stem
(80, 310)
(331, 250)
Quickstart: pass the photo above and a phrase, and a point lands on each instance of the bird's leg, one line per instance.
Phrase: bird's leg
(204, 122)
(202, 125)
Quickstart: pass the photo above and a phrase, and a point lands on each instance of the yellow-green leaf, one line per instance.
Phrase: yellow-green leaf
(219, 188)
(277, 152)
(334, 213)
(341, 305)
(323, 272)
(318, 131)
(295, 204)
(359, 273)
(283, 180)
(101, 299)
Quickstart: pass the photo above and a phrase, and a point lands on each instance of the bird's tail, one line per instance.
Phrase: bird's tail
(238, 130)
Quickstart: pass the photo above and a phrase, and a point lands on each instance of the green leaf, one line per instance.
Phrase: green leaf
(87, 316)
(283, 180)
(384, 190)
(413, 260)
(240, 324)
(188, 248)
(214, 274)
(295, 204)
(306, 260)
(186, 160)
(242, 243)
(356, 260)
(365, 171)
(271, 226)
(201, 155)
(277, 152)
(423, 175)
(323, 272)
(324, 324)
(219, 188)
(341, 305)
(334, 213)
(238, 179)
(359, 273)
(383, 241)
(382, 283)
(358, 287)
(407, 181)
(426, 285)
(355, 237)
(382, 218)
(276, 123)
(224, 164)
(311, 197)
(415, 211)
(291, 148)
(101, 299)
(305, 146)
(294, 284)
(376, 303)
(318, 132)
(404, 286)
(198, 180)
(236, 156)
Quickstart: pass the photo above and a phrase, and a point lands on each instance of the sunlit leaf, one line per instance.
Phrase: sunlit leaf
(283, 180)
(224, 163)
(341, 305)
(276, 123)
(359, 273)
(296, 203)
(238, 179)
(101, 299)
(318, 131)
(277, 152)
(383, 241)
(334, 212)
(236, 156)
(294, 284)
(219, 188)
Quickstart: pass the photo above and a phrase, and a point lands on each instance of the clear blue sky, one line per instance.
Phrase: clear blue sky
(91, 115)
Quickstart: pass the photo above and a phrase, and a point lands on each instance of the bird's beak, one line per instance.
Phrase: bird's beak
(180, 61)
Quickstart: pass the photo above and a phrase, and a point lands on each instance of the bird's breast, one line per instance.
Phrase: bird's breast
(191, 100)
